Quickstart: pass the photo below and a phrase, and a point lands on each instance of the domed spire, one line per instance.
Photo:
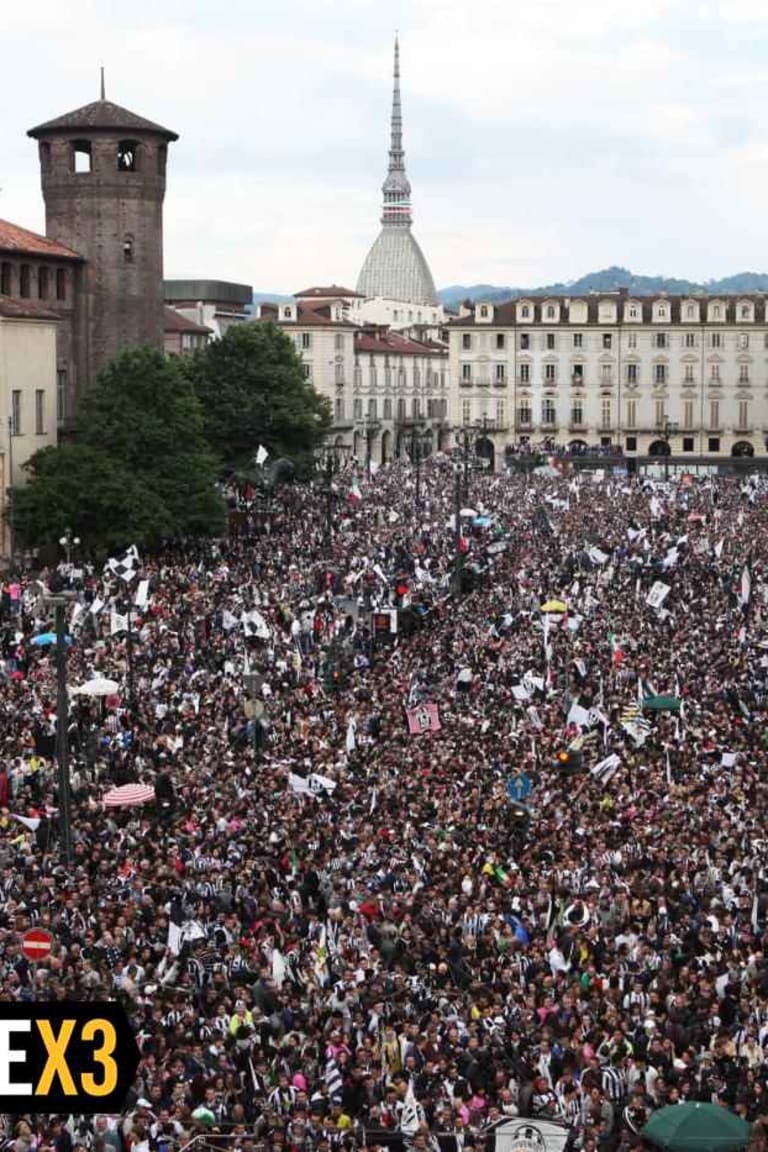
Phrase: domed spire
(396, 188)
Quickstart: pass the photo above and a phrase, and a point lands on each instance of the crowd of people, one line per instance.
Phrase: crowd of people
(424, 858)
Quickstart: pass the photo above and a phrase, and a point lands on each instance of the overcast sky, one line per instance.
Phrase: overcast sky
(544, 138)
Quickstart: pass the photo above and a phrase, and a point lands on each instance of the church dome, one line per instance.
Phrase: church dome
(396, 269)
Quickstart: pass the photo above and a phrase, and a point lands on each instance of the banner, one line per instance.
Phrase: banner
(657, 594)
(425, 718)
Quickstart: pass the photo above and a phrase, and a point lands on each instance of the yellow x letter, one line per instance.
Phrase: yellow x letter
(56, 1065)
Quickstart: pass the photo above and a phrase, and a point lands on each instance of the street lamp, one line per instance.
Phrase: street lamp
(11, 533)
(465, 434)
(667, 429)
(68, 542)
(370, 429)
(329, 460)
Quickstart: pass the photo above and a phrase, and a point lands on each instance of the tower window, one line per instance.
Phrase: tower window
(162, 154)
(43, 278)
(61, 284)
(128, 249)
(127, 155)
(5, 279)
(24, 280)
(82, 160)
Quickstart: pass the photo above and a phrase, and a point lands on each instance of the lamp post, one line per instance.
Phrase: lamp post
(11, 532)
(458, 557)
(419, 438)
(59, 603)
(369, 428)
(328, 462)
(68, 542)
(668, 428)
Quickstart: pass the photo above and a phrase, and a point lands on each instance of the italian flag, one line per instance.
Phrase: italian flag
(355, 495)
(616, 653)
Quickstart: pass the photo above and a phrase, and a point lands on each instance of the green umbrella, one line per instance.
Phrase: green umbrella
(697, 1128)
(661, 703)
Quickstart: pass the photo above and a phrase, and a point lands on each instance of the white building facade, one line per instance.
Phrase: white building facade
(635, 374)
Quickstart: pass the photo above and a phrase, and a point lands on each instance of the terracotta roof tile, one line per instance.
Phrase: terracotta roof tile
(101, 115)
(392, 344)
(173, 321)
(13, 308)
(21, 240)
(333, 291)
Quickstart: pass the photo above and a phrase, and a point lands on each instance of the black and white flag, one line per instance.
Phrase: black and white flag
(126, 566)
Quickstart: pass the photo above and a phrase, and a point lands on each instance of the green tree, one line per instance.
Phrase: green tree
(138, 468)
(81, 488)
(252, 389)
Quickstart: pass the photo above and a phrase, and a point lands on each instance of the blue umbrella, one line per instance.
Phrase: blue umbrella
(48, 638)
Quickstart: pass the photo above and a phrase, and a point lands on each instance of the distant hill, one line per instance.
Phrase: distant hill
(607, 280)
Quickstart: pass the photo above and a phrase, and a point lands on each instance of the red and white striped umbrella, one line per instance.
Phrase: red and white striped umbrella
(128, 795)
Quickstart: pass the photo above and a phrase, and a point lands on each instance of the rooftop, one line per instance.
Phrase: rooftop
(12, 308)
(173, 321)
(332, 292)
(207, 291)
(26, 243)
(101, 116)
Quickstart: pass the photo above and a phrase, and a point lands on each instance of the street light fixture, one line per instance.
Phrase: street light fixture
(668, 428)
(68, 542)
(370, 429)
(329, 461)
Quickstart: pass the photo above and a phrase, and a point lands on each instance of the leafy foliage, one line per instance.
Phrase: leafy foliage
(139, 467)
(252, 390)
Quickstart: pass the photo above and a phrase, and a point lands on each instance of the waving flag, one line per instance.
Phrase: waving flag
(425, 718)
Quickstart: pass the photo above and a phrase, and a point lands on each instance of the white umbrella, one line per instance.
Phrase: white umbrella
(99, 686)
(128, 796)
(469, 512)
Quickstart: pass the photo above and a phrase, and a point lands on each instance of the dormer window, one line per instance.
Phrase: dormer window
(287, 313)
(550, 312)
(82, 159)
(127, 156)
(716, 312)
(525, 311)
(484, 311)
(633, 313)
(691, 312)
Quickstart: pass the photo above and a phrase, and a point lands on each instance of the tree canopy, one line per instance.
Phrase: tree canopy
(138, 467)
(252, 390)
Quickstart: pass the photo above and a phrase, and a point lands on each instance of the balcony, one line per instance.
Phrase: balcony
(577, 426)
(500, 382)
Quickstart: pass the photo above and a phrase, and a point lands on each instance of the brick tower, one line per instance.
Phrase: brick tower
(103, 179)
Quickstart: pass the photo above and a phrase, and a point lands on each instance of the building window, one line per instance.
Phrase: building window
(338, 370)
(61, 395)
(661, 339)
(24, 281)
(466, 340)
(500, 343)
(691, 312)
(716, 312)
(501, 373)
(128, 156)
(466, 373)
(525, 341)
(307, 371)
(632, 340)
(690, 339)
(607, 341)
(631, 443)
(688, 374)
(43, 282)
(633, 313)
(500, 413)
(605, 413)
(525, 373)
(550, 373)
(466, 411)
(373, 375)
(128, 249)
(39, 412)
(388, 408)
(714, 414)
(372, 414)
(484, 311)
(578, 340)
(550, 341)
(715, 373)
(744, 341)
(743, 373)
(387, 376)
(578, 374)
(5, 279)
(338, 341)
(550, 312)
(306, 339)
(715, 340)
(713, 444)
(660, 373)
(688, 414)
(745, 312)
(525, 312)
(61, 283)
(358, 408)
(605, 373)
(357, 376)
(659, 410)
(687, 443)
(631, 414)
(16, 412)
(524, 413)
(577, 412)
(632, 373)
(401, 408)
(81, 156)
(548, 411)
(743, 415)
(339, 409)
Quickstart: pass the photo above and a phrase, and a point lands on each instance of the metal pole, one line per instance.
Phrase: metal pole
(466, 467)
(418, 475)
(329, 504)
(62, 735)
(131, 697)
(11, 536)
(457, 537)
